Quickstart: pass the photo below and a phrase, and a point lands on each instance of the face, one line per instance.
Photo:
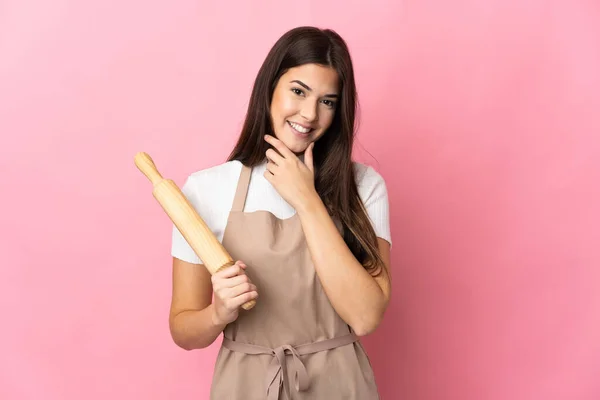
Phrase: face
(304, 104)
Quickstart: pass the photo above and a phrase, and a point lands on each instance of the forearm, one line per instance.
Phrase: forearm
(352, 291)
(195, 329)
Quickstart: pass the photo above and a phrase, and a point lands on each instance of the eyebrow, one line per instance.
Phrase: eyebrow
(305, 86)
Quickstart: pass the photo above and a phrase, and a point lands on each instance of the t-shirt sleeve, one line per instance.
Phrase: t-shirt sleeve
(179, 246)
(374, 195)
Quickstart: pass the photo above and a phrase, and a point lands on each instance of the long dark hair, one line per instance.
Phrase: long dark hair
(332, 154)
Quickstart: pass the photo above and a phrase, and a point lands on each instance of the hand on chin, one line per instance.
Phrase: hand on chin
(291, 175)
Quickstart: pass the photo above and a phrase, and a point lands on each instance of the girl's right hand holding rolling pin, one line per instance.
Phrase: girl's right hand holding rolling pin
(231, 288)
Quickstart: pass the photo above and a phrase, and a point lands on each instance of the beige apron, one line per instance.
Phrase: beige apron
(292, 344)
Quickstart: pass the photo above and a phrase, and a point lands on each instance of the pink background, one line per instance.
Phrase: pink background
(483, 117)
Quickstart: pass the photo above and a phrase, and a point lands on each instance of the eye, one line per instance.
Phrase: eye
(329, 103)
(297, 91)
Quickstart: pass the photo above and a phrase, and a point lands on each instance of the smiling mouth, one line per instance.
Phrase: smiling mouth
(299, 128)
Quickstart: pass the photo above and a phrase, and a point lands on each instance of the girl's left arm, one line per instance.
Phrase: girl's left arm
(358, 297)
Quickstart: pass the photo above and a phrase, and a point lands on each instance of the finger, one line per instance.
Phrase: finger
(274, 157)
(240, 289)
(282, 148)
(269, 176)
(241, 264)
(234, 281)
(228, 272)
(272, 168)
(308, 156)
(242, 299)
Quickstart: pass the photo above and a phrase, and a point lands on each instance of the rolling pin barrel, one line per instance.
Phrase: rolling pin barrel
(183, 215)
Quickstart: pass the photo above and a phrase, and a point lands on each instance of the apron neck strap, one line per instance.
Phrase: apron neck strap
(242, 189)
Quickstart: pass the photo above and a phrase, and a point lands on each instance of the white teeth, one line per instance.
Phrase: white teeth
(299, 128)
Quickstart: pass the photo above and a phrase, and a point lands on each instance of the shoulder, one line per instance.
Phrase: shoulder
(373, 193)
(368, 180)
(225, 172)
(212, 182)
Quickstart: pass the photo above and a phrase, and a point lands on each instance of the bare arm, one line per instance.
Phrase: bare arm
(191, 315)
(359, 298)
(194, 321)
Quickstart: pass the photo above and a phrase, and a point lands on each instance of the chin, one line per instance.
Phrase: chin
(297, 147)
(294, 144)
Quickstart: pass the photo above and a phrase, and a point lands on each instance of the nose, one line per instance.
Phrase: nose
(309, 111)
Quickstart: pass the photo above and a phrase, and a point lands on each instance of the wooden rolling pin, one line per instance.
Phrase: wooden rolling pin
(186, 219)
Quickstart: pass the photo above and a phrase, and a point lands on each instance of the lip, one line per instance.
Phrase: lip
(298, 133)
(302, 125)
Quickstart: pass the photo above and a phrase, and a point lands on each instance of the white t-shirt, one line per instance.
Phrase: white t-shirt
(211, 192)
